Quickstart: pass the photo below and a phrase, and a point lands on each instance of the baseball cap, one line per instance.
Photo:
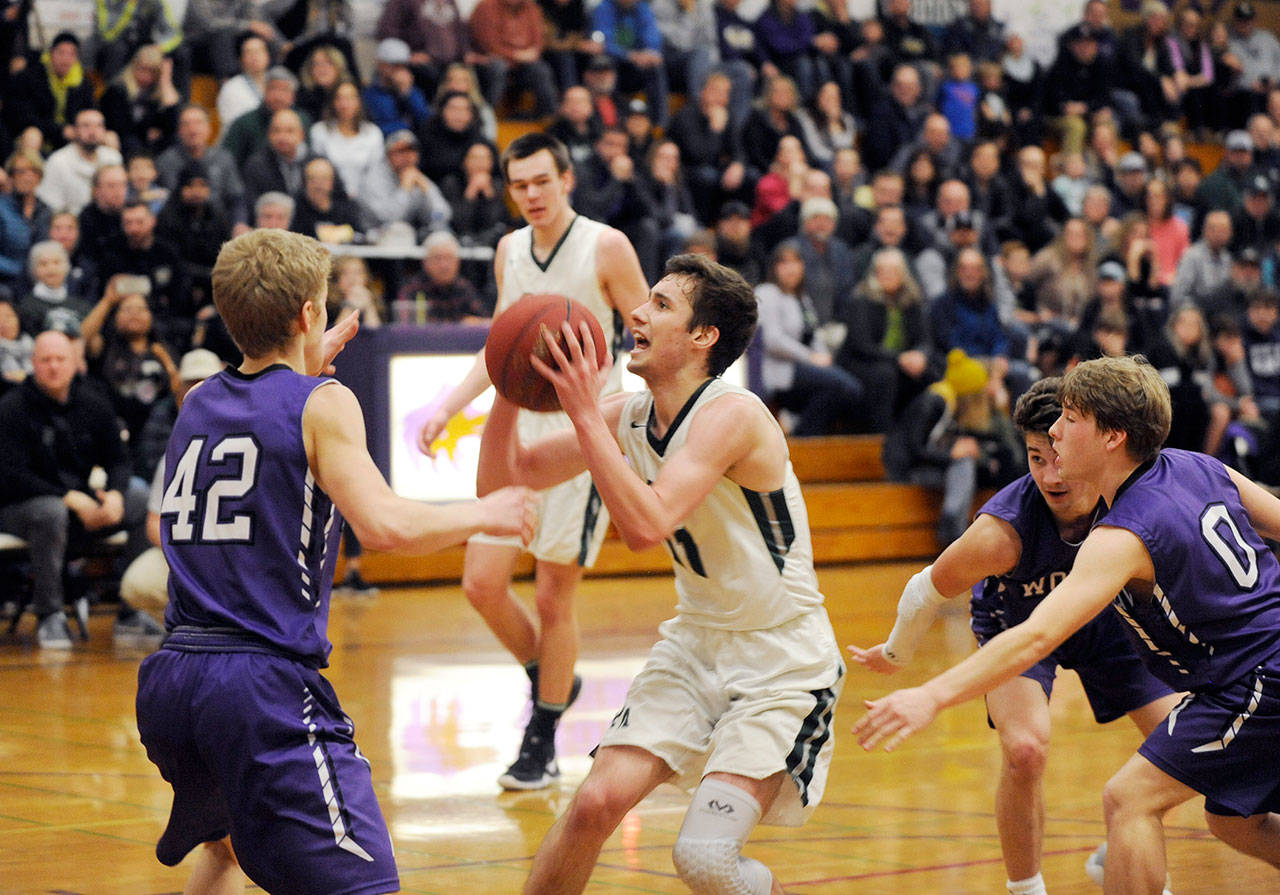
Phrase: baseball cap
(1249, 255)
(734, 209)
(1132, 162)
(1112, 270)
(393, 51)
(1258, 184)
(1245, 10)
(402, 136)
(600, 62)
(961, 220)
(637, 107)
(1239, 140)
(197, 364)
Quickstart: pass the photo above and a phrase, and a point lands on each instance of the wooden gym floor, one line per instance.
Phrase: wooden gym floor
(438, 710)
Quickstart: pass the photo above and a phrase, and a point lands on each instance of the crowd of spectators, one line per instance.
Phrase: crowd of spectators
(897, 188)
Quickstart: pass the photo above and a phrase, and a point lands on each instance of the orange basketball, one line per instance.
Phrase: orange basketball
(516, 334)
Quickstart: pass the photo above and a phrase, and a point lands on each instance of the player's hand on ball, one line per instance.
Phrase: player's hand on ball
(872, 658)
(895, 717)
(511, 511)
(577, 376)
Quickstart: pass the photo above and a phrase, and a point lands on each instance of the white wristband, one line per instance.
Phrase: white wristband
(917, 609)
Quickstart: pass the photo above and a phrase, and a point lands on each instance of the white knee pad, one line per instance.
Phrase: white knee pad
(706, 853)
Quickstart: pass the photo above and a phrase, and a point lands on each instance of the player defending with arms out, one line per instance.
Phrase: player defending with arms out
(1022, 542)
(736, 699)
(1180, 545)
(560, 252)
(263, 464)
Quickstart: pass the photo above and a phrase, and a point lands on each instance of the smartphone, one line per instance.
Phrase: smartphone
(133, 284)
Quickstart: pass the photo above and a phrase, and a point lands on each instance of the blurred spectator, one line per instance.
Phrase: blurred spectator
(600, 77)
(1169, 235)
(955, 436)
(1078, 85)
(1185, 360)
(976, 34)
(1187, 203)
(144, 184)
(1262, 349)
(947, 228)
(248, 133)
(631, 36)
(125, 352)
(167, 289)
(100, 232)
(448, 134)
(51, 305)
(438, 293)
(323, 210)
(273, 210)
(1102, 155)
(826, 126)
(461, 78)
(1022, 78)
(82, 279)
(1258, 52)
(898, 117)
(1224, 188)
(214, 29)
(1192, 72)
(396, 189)
(277, 165)
(323, 71)
(798, 372)
(828, 263)
(16, 348)
(708, 145)
(889, 231)
(989, 192)
(782, 183)
(671, 205)
(1265, 135)
(54, 428)
(15, 240)
(739, 57)
(392, 101)
(688, 29)
(1129, 186)
(607, 190)
(1257, 222)
(195, 228)
(352, 293)
(141, 104)
(920, 184)
(733, 241)
(509, 37)
(193, 145)
(1232, 298)
(576, 125)
(1064, 276)
(966, 316)
(638, 124)
(945, 151)
(25, 171)
(784, 39)
(125, 26)
(246, 90)
(908, 40)
(569, 45)
(347, 138)
(50, 93)
(1144, 62)
(69, 171)
(886, 345)
(435, 32)
(1206, 265)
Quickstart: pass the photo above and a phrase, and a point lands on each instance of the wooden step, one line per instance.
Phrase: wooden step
(846, 458)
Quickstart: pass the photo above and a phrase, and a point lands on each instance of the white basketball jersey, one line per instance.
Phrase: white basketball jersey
(569, 270)
(743, 559)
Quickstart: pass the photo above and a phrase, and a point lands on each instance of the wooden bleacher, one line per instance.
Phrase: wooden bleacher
(854, 515)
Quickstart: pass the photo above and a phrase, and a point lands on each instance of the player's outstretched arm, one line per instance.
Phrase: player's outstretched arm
(466, 391)
(548, 461)
(989, 546)
(1263, 506)
(729, 431)
(336, 338)
(333, 429)
(1108, 560)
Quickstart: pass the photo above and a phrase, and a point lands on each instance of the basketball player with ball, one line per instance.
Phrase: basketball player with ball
(735, 701)
(564, 253)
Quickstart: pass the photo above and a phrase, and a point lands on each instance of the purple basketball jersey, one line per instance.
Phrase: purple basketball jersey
(250, 538)
(1214, 615)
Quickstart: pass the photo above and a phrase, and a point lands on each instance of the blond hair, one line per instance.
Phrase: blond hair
(1122, 394)
(261, 280)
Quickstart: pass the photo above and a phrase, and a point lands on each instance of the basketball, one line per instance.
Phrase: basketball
(516, 334)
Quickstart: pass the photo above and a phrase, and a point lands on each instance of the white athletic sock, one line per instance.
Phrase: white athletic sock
(1032, 885)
